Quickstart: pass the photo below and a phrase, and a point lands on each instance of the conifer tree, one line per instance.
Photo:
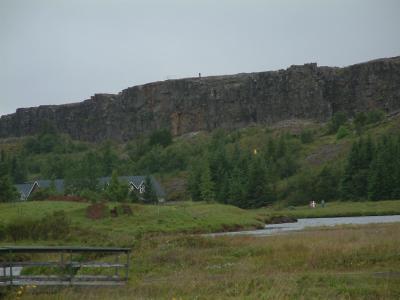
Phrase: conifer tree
(108, 159)
(326, 185)
(18, 170)
(8, 192)
(354, 184)
(207, 188)
(84, 174)
(260, 192)
(116, 191)
(149, 195)
(237, 193)
(194, 181)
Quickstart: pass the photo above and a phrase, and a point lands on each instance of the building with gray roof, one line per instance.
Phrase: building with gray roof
(136, 183)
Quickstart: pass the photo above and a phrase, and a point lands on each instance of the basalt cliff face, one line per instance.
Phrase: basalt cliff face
(304, 92)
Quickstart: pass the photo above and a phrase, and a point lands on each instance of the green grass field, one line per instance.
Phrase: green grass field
(169, 260)
(185, 217)
(357, 262)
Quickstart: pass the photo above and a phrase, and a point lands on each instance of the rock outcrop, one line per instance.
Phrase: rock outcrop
(304, 92)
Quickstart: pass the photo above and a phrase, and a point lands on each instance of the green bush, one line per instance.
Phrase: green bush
(338, 119)
(361, 119)
(90, 195)
(54, 226)
(2, 231)
(160, 137)
(40, 194)
(342, 132)
(375, 116)
(306, 136)
(359, 122)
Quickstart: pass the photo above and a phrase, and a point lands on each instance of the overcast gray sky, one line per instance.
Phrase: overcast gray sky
(60, 51)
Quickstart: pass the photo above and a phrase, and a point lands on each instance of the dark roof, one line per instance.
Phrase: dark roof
(58, 184)
(25, 189)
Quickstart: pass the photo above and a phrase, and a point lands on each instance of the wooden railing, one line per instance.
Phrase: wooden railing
(67, 266)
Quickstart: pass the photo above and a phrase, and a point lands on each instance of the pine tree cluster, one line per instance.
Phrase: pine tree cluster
(229, 173)
(372, 170)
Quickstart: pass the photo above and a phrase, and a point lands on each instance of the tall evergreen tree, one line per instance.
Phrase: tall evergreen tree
(237, 194)
(260, 191)
(354, 184)
(84, 174)
(326, 185)
(207, 188)
(8, 192)
(382, 175)
(18, 169)
(108, 159)
(194, 181)
(116, 191)
(149, 195)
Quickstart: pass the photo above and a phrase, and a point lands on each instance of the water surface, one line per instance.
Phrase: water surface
(272, 229)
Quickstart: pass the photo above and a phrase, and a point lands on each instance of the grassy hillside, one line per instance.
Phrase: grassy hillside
(145, 219)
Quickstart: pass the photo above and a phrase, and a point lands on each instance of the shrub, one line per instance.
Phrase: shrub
(89, 195)
(96, 211)
(2, 231)
(307, 136)
(338, 119)
(40, 194)
(359, 122)
(161, 137)
(342, 132)
(375, 116)
(54, 226)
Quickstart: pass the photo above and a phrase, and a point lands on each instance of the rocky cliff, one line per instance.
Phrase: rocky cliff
(300, 92)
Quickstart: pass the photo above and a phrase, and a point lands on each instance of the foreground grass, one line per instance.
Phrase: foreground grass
(337, 209)
(185, 217)
(357, 262)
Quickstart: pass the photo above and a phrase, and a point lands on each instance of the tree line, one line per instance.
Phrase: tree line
(372, 170)
(247, 168)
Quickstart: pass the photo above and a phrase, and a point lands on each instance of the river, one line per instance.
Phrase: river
(301, 224)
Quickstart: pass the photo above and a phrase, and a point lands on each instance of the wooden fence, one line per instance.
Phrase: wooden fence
(64, 270)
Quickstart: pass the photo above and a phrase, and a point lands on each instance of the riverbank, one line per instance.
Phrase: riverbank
(334, 209)
(309, 223)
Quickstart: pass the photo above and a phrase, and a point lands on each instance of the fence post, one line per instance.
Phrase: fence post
(127, 266)
(62, 266)
(70, 267)
(11, 269)
(116, 265)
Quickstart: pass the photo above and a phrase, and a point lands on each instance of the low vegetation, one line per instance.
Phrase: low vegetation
(356, 262)
(143, 219)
